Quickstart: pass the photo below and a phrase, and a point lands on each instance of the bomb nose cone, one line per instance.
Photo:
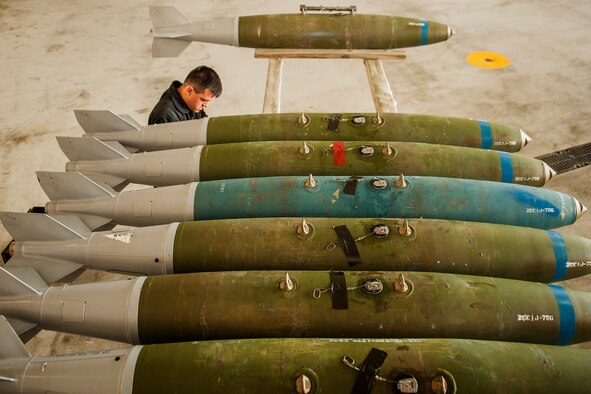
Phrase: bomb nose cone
(450, 31)
(525, 139)
(581, 209)
(548, 172)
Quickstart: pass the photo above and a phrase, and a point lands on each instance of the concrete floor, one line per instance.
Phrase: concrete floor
(65, 54)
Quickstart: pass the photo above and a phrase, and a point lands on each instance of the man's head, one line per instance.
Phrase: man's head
(201, 86)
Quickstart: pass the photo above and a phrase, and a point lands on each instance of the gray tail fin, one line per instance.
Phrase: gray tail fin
(74, 186)
(171, 31)
(81, 148)
(97, 121)
(39, 271)
(23, 275)
(11, 346)
(38, 227)
(131, 121)
(168, 47)
(20, 282)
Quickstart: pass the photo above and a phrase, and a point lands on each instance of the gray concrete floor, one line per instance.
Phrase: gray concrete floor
(63, 55)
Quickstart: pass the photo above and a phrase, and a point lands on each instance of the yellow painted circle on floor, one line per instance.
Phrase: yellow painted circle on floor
(488, 60)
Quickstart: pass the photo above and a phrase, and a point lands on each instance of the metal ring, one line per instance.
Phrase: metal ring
(350, 362)
(331, 246)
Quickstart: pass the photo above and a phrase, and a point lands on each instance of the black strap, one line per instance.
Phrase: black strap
(351, 185)
(349, 245)
(368, 371)
(338, 285)
(333, 122)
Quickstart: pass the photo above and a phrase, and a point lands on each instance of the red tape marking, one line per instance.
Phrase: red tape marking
(339, 153)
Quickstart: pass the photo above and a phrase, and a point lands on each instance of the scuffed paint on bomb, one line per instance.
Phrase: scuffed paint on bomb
(422, 197)
(186, 307)
(252, 366)
(417, 197)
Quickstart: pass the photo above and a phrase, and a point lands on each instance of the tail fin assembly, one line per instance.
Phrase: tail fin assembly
(38, 227)
(28, 275)
(37, 272)
(171, 31)
(74, 185)
(81, 148)
(98, 121)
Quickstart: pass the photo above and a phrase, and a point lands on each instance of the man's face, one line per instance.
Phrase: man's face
(196, 101)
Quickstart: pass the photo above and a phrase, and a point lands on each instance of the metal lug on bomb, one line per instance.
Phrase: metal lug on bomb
(439, 385)
(377, 119)
(400, 285)
(286, 284)
(401, 182)
(405, 230)
(305, 149)
(310, 182)
(303, 384)
(303, 228)
(387, 151)
(302, 119)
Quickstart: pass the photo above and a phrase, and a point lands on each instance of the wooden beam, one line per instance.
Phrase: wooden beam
(272, 103)
(381, 92)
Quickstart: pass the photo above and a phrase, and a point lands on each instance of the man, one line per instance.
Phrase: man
(186, 101)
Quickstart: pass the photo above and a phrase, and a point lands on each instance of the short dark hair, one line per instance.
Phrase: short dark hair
(202, 78)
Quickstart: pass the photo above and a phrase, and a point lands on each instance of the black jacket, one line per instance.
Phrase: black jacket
(172, 108)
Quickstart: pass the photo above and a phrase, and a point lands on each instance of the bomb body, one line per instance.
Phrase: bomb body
(443, 130)
(302, 244)
(361, 197)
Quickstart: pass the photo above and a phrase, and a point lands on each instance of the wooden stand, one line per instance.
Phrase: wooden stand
(380, 88)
